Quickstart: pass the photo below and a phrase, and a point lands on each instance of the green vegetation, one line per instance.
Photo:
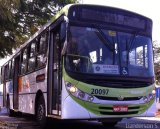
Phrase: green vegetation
(19, 19)
(156, 47)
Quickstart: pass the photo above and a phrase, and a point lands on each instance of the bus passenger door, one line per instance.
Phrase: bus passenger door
(54, 74)
(15, 83)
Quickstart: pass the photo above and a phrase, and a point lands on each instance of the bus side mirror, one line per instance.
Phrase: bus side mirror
(63, 31)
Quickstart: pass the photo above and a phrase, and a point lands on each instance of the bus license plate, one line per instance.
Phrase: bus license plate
(117, 108)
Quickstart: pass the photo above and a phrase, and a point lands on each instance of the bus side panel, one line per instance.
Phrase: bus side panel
(28, 87)
(1, 100)
(9, 91)
(1, 95)
(11, 101)
(26, 103)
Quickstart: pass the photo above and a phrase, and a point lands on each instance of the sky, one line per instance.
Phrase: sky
(148, 8)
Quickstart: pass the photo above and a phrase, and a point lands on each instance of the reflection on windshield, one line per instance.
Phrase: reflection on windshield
(102, 51)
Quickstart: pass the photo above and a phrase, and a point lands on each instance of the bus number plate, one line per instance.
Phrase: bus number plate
(117, 108)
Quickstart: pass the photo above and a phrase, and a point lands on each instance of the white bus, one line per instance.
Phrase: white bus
(89, 62)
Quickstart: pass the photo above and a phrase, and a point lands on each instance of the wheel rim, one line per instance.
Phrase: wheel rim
(40, 112)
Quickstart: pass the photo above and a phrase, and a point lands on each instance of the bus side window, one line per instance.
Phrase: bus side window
(2, 74)
(62, 32)
(31, 53)
(10, 69)
(56, 50)
(41, 50)
(7, 72)
(24, 62)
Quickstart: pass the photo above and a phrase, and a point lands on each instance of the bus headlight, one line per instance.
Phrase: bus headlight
(81, 95)
(90, 98)
(145, 99)
(73, 90)
(149, 97)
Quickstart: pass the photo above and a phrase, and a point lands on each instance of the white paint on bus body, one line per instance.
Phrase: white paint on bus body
(28, 88)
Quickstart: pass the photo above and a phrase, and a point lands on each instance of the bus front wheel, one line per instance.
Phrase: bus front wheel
(41, 112)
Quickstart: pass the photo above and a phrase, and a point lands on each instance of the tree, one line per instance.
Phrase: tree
(19, 19)
(7, 26)
(156, 48)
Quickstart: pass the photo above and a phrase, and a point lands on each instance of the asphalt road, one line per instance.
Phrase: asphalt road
(27, 122)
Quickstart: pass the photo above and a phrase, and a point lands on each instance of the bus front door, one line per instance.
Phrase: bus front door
(54, 75)
(15, 83)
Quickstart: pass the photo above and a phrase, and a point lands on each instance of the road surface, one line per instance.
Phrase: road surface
(26, 122)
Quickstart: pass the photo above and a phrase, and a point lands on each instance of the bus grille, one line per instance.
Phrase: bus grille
(116, 98)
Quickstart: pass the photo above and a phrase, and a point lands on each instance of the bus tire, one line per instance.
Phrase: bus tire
(40, 112)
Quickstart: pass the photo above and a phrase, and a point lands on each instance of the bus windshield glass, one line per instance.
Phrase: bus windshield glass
(94, 50)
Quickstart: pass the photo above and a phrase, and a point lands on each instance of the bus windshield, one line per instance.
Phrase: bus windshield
(102, 51)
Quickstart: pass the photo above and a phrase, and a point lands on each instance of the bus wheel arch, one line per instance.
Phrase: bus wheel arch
(38, 94)
(40, 108)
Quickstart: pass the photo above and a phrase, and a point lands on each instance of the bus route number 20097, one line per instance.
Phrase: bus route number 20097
(99, 91)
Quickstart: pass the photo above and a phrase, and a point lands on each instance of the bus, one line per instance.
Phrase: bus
(88, 62)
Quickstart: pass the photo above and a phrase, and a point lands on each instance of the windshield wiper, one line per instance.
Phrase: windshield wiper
(132, 40)
(100, 34)
(130, 43)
